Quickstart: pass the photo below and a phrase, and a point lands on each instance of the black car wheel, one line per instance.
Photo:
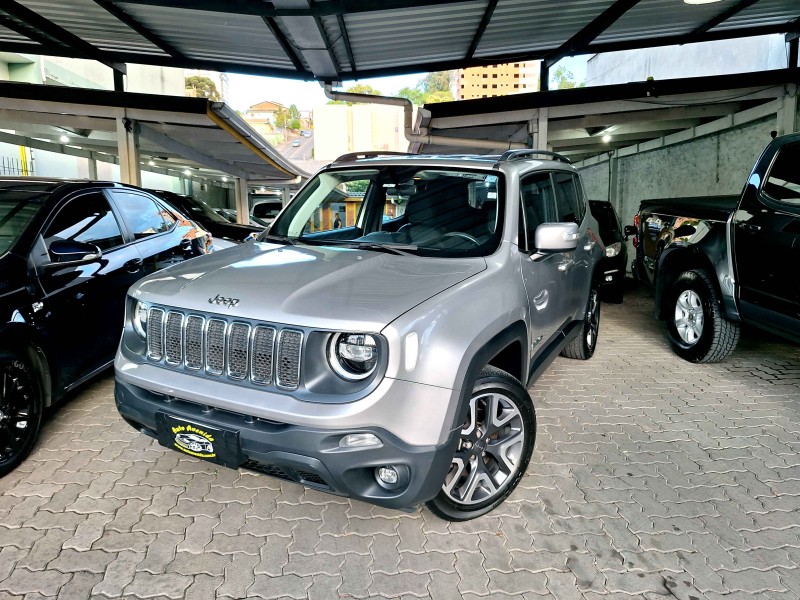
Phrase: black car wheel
(494, 449)
(697, 330)
(583, 345)
(20, 410)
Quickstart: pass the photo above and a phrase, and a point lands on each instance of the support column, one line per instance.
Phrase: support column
(92, 167)
(793, 43)
(787, 114)
(285, 196)
(128, 144)
(613, 178)
(242, 201)
(544, 76)
(540, 135)
(119, 81)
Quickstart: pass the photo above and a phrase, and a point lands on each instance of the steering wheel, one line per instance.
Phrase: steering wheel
(461, 234)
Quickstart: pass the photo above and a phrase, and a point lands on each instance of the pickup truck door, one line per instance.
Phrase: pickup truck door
(766, 244)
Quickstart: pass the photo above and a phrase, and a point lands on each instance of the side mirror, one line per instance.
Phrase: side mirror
(630, 230)
(65, 252)
(556, 237)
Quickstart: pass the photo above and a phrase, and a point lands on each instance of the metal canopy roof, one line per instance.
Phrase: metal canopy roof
(333, 40)
(174, 133)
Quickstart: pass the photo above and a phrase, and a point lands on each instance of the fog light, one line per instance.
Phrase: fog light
(388, 475)
(359, 440)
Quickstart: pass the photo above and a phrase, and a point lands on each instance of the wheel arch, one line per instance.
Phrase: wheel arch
(673, 262)
(18, 338)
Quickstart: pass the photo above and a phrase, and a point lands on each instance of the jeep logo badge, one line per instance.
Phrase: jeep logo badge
(222, 300)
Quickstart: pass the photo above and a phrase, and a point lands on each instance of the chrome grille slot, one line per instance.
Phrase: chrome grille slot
(155, 334)
(238, 352)
(173, 338)
(288, 368)
(215, 347)
(194, 342)
(261, 361)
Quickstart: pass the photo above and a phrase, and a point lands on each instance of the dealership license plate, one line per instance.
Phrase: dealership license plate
(217, 445)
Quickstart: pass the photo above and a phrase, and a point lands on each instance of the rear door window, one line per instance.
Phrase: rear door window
(143, 215)
(783, 181)
(569, 199)
(538, 205)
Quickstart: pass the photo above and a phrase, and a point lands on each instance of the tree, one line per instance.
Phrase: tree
(294, 112)
(563, 79)
(434, 87)
(202, 87)
(363, 88)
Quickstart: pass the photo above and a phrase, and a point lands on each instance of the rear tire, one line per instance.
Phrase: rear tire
(21, 407)
(582, 346)
(697, 330)
(494, 449)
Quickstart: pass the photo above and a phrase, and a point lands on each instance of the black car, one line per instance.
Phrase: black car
(205, 216)
(69, 251)
(615, 261)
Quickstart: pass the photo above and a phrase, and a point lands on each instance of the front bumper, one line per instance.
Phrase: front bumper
(308, 455)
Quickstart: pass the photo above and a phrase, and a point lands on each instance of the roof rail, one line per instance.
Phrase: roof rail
(510, 155)
(350, 156)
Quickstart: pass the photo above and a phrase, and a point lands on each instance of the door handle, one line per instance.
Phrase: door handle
(134, 265)
(750, 227)
(566, 265)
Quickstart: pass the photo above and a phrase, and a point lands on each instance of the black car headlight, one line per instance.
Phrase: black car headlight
(139, 319)
(613, 249)
(353, 356)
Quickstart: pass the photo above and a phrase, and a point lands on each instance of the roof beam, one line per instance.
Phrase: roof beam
(139, 28)
(37, 22)
(346, 39)
(581, 40)
(267, 9)
(476, 40)
(309, 39)
(48, 44)
(286, 45)
(720, 18)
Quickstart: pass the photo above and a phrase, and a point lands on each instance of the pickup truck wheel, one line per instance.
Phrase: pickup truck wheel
(697, 330)
(582, 346)
(20, 410)
(493, 451)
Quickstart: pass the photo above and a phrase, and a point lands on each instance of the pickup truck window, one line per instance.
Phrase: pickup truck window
(783, 181)
(87, 218)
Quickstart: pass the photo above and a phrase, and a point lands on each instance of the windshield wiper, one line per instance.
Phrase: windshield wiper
(401, 249)
(281, 239)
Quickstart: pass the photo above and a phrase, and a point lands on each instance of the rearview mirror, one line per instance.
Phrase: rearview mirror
(556, 237)
(630, 230)
(64, 252)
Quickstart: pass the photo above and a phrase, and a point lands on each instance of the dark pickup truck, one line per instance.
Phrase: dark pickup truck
(721, 261)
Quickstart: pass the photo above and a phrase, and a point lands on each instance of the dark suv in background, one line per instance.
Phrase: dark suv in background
(69, 251)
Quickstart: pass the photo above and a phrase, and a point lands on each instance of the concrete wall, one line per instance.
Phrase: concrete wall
(692, 60)
(342, 128)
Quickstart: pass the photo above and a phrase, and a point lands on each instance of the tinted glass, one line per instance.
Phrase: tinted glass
(569, 205)
(608, 222)
(537, 203)
(143, 216)
(87, 218)
(783, 181)
(17, 210)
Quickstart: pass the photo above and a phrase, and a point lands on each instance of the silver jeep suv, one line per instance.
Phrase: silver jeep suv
(377, 340)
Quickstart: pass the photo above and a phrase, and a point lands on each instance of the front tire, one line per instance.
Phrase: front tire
(583, 345)
(697, 330)
(21, 409)
(493, 451)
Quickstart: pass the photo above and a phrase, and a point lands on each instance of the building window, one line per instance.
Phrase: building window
(494, 85)
(484, 86)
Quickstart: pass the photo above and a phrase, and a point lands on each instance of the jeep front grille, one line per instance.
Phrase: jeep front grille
(217, 347)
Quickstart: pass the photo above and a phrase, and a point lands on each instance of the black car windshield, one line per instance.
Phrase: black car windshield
(17, 209)
(426, 211)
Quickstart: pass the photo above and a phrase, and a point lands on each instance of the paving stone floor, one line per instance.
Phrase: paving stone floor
(651, 478)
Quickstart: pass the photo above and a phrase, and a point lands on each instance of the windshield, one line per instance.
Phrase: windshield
(424, 211)
(17, 209)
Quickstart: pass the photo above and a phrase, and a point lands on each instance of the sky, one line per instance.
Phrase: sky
(246, 90)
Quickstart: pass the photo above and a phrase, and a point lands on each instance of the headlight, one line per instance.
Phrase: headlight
(353, 356)
(140, 319)
(613, 249)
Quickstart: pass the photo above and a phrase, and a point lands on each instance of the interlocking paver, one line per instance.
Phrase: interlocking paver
(651, 478)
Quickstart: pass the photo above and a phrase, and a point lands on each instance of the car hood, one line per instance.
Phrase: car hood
(311, 286)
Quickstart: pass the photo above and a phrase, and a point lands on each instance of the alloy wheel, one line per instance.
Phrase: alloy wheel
(16, 412)
(689, 316)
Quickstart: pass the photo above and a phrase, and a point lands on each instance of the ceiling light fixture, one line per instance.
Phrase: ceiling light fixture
(187, 172)
(152, 163)
(225, 180)
(701, 1)
(606, 138)
(64, 139)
